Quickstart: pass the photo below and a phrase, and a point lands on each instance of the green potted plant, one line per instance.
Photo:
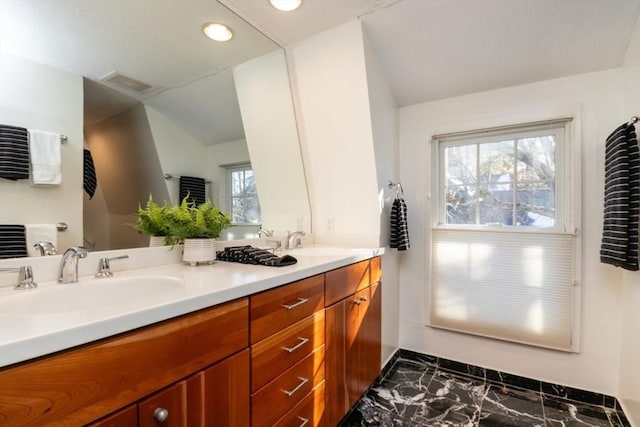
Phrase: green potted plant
(197, 227)
(153, 222)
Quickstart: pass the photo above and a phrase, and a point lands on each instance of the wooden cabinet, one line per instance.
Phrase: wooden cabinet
(80, 385)
(287, 354)
(353, 337)
(127, 417)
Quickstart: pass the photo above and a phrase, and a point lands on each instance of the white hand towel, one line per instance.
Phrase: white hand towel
(40, 232)
(46, 159)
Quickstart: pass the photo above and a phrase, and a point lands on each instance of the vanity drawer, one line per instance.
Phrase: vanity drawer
(278, 397)
(275, 309)
(308, 413)
(344, 281)
(274, 355)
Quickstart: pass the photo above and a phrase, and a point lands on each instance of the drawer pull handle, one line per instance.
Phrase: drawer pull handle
(357, 302)
(302, 342)
(161, 414)
(363, 298)
(303, 381)
(305, 421)
(294, 305)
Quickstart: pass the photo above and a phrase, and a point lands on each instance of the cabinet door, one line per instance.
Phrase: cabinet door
(371, 343)
(128, 417)
(356, 335)
(219, 395)
(353, 342)
(165, 408)
(337, 401)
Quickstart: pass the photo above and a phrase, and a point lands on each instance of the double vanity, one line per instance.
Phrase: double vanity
(220, 345)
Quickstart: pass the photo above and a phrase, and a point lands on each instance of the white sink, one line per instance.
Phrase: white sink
(90, 295)
(319, 251)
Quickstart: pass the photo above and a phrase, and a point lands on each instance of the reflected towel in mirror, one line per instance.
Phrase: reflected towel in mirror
(13, 242)
(14, 153)
(194, 188)
(46, 160)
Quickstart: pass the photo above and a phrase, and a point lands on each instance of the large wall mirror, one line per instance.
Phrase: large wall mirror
(138, 85)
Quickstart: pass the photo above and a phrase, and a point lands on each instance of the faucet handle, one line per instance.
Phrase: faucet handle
(25, 277)
(104, 268)
(45, 247)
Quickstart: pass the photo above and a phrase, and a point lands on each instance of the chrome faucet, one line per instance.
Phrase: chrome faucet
(104, 268)
(25, 277)
(293, 239)
(45, 247)
(68, 272)
(267, 233)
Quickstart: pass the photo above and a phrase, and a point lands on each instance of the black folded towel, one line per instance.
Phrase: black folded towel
(399, 228)
(194, 188)
(14, 153)
(13, 241)
(250, 255)
(90, 181)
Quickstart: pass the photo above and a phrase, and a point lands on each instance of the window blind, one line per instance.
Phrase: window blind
(515, 286)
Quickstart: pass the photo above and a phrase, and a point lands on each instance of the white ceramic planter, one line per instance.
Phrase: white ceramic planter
(156, 241)
(199, 250)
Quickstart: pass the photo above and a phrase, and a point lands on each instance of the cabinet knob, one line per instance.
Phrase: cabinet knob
(161, 414)
(363, 298)
(357, 302)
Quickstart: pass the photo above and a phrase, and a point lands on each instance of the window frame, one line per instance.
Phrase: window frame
(228, 191)
(564, 192)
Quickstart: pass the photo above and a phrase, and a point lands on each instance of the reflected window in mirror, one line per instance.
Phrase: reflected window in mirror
(242, 200)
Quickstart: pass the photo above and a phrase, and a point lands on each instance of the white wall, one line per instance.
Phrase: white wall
(40, 97)
(128, 170)
(264, 96)
(330, 81)
(629, 372)
(220, 155)
(179, 153)
(384, 121)
(596, 101)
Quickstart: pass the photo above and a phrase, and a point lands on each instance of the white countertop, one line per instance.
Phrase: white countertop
(23, 337)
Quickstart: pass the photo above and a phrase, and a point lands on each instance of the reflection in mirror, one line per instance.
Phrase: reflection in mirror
(194, 108)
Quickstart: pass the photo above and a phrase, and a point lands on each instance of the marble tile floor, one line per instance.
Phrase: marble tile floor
(420, 390)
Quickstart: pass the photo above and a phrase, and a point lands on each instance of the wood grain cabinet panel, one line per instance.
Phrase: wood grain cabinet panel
(344, 281)
(353, 341)
(308, 413)
(219, 395)
(277, 398)
(275, 309)
(277, 353)
(127, 417)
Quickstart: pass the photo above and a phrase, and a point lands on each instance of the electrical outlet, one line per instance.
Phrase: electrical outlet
(331, 223)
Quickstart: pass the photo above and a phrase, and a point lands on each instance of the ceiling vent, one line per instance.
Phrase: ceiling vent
(127, 83)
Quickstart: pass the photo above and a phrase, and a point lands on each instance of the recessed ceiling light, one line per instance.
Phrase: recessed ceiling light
(217, 32)
(286, 5)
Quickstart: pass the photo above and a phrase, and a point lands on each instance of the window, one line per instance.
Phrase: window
(242, 197)
(502, 243)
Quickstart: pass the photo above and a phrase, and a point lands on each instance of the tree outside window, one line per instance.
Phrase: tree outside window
(242, 195)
